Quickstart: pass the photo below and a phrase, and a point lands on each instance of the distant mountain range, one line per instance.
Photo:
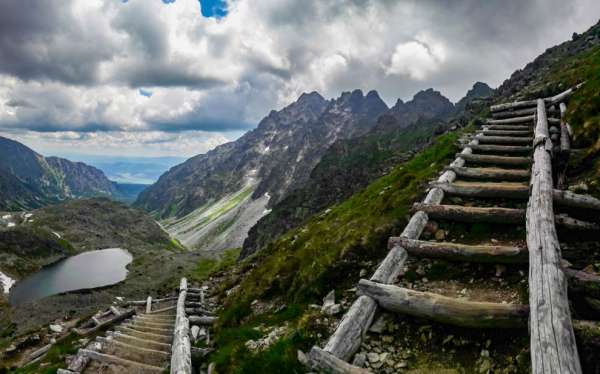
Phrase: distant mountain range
(29, 180)
(212, 200)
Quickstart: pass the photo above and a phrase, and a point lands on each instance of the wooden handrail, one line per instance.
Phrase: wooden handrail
(553, 348)
(181, 355)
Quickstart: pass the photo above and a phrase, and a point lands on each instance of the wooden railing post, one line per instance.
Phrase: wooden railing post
(181, 355)
(553, 347)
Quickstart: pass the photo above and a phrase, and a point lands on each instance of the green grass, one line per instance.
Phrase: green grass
(208, 266)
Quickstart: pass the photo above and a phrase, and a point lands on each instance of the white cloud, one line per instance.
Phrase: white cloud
(415, 60)
(78, 67)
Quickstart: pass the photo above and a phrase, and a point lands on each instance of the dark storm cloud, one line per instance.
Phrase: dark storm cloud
(42, 40)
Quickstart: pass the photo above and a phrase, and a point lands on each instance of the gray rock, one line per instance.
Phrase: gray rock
(359, 360)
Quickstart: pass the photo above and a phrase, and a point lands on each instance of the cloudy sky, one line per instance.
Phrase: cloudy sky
(178, 77)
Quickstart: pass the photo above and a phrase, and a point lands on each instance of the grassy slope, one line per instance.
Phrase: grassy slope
(307, 262)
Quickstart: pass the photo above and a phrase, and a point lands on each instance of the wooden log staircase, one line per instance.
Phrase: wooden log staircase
(155, 339)
(509, 160)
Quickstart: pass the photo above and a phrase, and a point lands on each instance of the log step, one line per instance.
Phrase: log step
(145, 335)
(503, 139)
(496, 160)
(529, 118)
(323, 361)
(510, 127)
(133, 353)
(502, 149)
(511, 216)
(507, 132)
(129, 366)
(519, 113)
(472, 214)
(152, 330)
(508, 190)
(443, 309)
(491, 173)
(162, 325)
(462, 252)
(143, 343)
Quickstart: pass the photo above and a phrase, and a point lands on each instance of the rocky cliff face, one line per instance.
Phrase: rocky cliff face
(30, 180)
(275, 158)
(350, 164)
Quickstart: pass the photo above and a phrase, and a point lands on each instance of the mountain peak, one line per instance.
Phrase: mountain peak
(310, 96)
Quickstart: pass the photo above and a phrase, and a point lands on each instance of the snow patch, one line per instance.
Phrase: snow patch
(11, 224)
(6, 282)
(6, 217)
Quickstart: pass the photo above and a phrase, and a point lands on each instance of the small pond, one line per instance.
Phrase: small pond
(84, 271)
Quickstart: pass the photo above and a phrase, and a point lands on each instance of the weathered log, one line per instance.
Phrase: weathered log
(346, 339)
(202, 320)
(133, 366)
(508, 190)
(512, 120)
(39, 352)
(497, 160)
(115, 311)
(486, 139)
(445, 309)
(149, 304)
(117, 318)
(565, 137)
(510, 128)
(583, 282)
(462, 252)
(575, 224)
(534, 103)
(162, 310)
(552, 340)
(78, 364)
(502, 148)
(472, 214)
(573, 200)
(507, 132)
(492, 173)
(519, 112)
(198, 310)
(324, 361)
(181, 356)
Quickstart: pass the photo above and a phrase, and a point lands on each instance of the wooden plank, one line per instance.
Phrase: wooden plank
(492, 173)
(118, 318)
(510, 128)
(486, 139)
(136, 367)
(497, 160)
(149, 304)
(509, 190)
(181, 355)
(472, 214)
(507, 132)
(553, 348)
(324, 361)
(462, 252)
(508, 121)
(443, 309)
(508, 149)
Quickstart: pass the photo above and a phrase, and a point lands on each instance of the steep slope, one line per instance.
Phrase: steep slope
(29, 180)
(351, 164)
(263, 166)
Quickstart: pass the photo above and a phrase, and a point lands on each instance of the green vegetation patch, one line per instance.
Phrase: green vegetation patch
(208, 266)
